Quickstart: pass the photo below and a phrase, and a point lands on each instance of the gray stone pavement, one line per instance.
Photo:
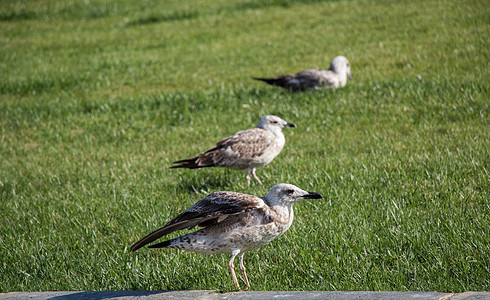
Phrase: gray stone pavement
(255, 295)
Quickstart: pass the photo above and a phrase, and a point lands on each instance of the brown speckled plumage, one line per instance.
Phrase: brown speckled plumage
(232, 223)
(245, 150)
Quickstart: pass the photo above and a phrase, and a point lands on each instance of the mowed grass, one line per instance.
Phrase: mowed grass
(99, 97)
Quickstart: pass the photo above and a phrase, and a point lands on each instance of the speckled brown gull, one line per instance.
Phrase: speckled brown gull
(233, 223)
(334, 77)
(245, 150)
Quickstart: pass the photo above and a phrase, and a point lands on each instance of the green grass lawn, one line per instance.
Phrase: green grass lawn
(99, 97)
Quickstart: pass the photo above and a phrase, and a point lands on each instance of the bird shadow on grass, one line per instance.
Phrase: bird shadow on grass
(205, 183)
(106, 295)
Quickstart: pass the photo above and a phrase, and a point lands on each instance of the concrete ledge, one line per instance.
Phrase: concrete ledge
(211, 295)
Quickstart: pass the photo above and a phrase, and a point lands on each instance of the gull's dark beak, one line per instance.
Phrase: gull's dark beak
(290, 124)
(350, 77)
(312, 195)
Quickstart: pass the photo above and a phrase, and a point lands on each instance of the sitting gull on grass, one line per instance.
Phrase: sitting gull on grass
(245, 150)
(334, 77)
(233, 223)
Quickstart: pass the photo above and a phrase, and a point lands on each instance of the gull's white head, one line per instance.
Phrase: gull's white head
(287, 194)
(341, 66)
(273, 123)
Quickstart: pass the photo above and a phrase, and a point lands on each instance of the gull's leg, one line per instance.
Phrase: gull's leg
(255, 176)
(242, 269)
(232, 267)
(247, 176)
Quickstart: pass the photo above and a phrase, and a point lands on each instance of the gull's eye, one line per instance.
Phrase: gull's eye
(289, 192)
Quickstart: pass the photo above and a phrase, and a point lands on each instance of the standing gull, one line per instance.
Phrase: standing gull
(334, 77)
(233, 223)
(245, 150)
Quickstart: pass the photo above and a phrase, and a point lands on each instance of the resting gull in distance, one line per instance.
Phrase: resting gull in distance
(233, 223)
(245, 150)
(334, 77)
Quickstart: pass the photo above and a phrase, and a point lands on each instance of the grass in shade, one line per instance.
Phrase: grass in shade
(99, 97)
